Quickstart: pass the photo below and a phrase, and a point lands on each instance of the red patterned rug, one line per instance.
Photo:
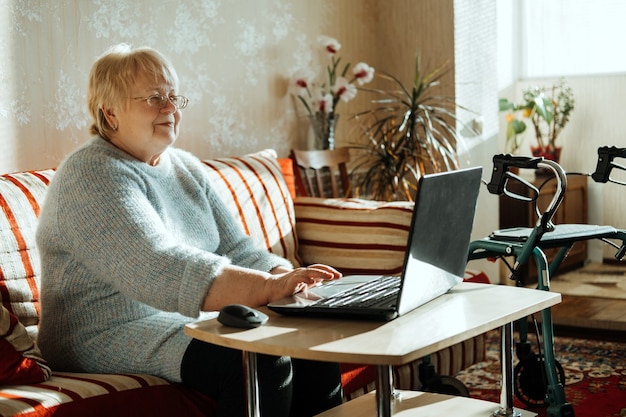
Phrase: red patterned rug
(595, 376)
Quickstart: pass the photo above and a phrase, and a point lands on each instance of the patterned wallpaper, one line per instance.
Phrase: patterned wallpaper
(233, 59)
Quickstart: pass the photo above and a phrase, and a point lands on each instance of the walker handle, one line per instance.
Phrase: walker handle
(544, 223)
(501, 174)
(605, 162)
(499, 179)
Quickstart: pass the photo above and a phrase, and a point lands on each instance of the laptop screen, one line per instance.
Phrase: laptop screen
(435, 256)
(440, 235)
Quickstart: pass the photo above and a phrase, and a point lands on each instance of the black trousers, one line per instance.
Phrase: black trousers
(287, 387)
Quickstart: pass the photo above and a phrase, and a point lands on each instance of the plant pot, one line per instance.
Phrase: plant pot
(548, 152)
(552, 153)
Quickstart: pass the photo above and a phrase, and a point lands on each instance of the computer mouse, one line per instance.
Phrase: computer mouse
(239, 315)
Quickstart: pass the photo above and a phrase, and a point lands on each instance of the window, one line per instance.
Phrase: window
(572, 37)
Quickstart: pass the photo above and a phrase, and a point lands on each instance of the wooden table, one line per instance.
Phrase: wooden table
(466, 311)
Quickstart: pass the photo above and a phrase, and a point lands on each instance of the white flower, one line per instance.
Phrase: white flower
(323, 103)
(299, 87)
(363, 73)
(344, 90)
(331, 45)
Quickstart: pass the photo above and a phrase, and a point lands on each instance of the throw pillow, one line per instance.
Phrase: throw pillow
(353, 235)
(20, 358)
(286, 167)
(21, 196)
(253, 188)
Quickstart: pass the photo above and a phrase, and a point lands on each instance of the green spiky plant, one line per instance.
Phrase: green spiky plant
(410, 132)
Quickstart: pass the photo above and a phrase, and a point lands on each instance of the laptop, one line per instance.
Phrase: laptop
(434, 261)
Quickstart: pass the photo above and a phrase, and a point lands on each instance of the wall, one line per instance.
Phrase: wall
(235, 59)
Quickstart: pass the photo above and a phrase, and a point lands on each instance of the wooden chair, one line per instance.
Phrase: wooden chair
(322, 173)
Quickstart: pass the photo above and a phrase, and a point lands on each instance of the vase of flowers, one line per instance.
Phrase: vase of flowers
(320, 99)
(548, 109)
(323, 128)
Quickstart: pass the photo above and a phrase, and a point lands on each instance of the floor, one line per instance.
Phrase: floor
(590, 317)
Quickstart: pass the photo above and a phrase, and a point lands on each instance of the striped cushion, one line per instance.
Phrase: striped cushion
(21, 196)
(286, 168)
(80, 394)
(254, 189)
(353, 235)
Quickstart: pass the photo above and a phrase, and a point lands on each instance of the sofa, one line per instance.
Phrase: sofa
(352, 235)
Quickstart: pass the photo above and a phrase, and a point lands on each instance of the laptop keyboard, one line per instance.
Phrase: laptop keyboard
(381, 292)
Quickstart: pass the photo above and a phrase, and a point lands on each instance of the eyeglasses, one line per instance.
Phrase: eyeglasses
(159, 101)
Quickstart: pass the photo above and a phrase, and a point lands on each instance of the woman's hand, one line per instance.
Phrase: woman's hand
(255, 288)
(284, 284)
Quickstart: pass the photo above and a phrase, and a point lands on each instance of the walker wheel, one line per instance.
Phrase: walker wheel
(529, 380)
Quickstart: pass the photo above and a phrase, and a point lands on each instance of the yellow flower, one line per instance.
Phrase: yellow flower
(527, 112)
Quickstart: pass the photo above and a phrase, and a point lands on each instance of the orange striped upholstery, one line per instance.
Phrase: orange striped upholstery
(254, 189)
(77, 394)
(286, 167)
(20, 359)
(67, 387)
(355, 236)
(21, 196)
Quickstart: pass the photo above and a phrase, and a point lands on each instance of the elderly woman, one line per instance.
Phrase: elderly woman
(135, 244)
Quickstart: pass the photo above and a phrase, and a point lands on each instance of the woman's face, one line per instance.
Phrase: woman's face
(143, 131)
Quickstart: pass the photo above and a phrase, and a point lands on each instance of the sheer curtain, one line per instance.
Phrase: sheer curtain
(572, 37)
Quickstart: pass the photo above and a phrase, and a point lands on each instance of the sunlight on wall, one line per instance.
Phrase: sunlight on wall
(7, 122)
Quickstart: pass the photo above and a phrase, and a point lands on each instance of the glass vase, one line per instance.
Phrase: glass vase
(323, 128)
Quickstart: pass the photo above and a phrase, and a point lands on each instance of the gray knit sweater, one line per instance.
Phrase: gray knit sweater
(128, 253)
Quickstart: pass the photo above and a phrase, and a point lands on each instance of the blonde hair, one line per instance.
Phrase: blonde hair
(113, 76)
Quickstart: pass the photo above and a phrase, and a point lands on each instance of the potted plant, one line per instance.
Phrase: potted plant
(548, 109)
(410, 132)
